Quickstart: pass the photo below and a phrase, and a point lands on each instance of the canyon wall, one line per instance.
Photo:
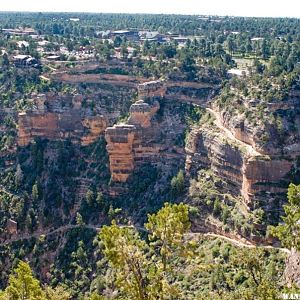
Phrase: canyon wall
(126, 143)
(228, 146)
(146, 137)
(119, 140)
(61, 116)
(55, 124)
(233, 156)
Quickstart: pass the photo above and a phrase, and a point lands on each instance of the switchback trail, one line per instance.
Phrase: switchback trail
(229, 134)
(97, 227)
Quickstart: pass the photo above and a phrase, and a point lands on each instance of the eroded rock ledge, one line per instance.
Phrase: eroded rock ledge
(125, 142)
(231, 148)
(235, 159)
(49, 120)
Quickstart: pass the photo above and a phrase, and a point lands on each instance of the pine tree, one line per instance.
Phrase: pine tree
(23, 285)
(166, 230)
(142, 270)
(289, 231)
(177, 184)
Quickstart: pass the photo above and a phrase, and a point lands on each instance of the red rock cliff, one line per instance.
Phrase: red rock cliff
(56, 123)
(119, 140)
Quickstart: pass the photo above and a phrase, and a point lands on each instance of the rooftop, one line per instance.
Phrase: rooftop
(21, 56)
(121, 31)
(257, 39)
(238, 72)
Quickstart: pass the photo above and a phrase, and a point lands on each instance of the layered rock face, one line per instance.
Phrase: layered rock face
(231, 147)
(261, 175)
(119, 140)
(47, 120)
(154, 142)
(94, 127)
(125, 142)
(112, 79)
(191, 92)
(206, 148)
(141, 113)
(155, 88)
(61, 116)
(233, 155)
(184, 91)
(272, 130)
(271, 134)
(37, 125)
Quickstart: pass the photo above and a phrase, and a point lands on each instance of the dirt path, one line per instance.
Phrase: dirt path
(240, 243)
(97, 227)
(48, 232)
(44, 78)
(228, 133)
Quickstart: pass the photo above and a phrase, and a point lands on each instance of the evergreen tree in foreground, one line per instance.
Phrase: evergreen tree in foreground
(22, 285)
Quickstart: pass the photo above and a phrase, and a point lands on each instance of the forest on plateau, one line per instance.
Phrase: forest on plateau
(149, 157)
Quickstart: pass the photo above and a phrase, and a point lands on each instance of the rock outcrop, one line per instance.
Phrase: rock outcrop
(264, 176)
(153, 142)
(206, 148)
(270, 129)
(155, 88)
(125, 141)
(54, 123)
(235, 159)
(232, 147)
(94, 127)
(119, 140)
(141, 113)
(36, 125)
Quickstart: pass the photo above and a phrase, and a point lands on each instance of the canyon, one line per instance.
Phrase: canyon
(232, 151)
(250, 173)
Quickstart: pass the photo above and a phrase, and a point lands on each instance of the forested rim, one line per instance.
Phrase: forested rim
(67, 231)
